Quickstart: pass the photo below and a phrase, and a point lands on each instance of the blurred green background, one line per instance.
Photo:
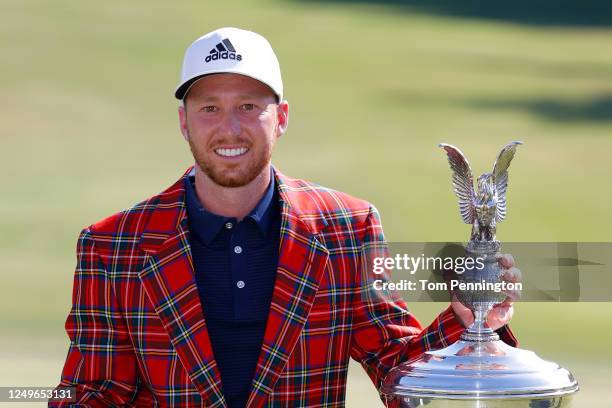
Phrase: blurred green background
(88, 126)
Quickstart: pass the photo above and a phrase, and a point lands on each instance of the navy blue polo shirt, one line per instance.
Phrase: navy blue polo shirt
(235, 267)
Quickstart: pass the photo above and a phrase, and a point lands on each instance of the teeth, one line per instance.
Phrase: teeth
(231, 152)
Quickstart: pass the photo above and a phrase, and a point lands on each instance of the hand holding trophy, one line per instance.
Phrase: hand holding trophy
(501, 313)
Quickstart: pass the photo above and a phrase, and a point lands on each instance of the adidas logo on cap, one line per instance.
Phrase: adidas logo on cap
(223, 50)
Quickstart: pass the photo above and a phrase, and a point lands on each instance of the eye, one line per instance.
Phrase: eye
(209, 108)
(247, 107)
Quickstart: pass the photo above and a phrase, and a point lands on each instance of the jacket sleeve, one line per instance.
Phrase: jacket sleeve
(101, 364)
(385, 333)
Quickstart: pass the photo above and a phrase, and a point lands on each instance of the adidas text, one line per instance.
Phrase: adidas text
(223, 55)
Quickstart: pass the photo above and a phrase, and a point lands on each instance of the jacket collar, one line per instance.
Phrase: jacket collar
(169, 281)
(169, 209)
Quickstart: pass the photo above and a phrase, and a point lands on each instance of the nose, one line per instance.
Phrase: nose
(230, 124)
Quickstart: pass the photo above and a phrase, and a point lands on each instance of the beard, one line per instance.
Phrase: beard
(240, 174)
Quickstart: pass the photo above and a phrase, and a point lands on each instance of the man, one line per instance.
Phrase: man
(238, 286)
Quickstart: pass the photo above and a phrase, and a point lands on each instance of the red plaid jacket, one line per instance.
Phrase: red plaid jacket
(139, 338)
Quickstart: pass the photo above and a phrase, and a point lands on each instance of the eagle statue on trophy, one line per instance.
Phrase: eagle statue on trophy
(486, 206)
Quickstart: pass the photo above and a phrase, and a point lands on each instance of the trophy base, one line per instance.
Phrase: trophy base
(414, 402)
(479, 374)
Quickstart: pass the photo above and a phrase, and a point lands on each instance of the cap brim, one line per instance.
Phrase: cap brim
(182, 89)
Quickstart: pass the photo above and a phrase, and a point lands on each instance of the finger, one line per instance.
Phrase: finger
(511, 296)
(502, 312)
(496, 317)
(512, 274)
(499, 316)
(507, 316)
(506, 261)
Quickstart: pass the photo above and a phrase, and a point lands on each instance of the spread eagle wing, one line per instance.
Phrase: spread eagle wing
(500, 177)
(462, 182)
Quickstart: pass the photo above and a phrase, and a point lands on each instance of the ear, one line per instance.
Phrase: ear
(282, 112)
(182, 111)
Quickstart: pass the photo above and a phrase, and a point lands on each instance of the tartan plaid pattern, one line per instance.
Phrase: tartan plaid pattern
(137, 332)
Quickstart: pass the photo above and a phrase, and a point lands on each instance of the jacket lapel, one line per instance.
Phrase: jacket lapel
(302, 260)
(168, 279)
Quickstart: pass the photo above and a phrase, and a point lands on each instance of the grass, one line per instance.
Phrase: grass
(89, 126)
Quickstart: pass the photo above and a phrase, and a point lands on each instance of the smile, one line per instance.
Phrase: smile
(231, 152)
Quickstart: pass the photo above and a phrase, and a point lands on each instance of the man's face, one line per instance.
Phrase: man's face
(232, 123)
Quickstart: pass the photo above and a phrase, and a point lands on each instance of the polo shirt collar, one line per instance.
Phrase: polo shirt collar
(206, 225)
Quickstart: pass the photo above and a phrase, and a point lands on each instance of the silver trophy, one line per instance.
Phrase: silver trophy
(479, 370)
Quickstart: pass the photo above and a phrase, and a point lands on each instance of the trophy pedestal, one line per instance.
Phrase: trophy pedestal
(479, 374)
(479, 370)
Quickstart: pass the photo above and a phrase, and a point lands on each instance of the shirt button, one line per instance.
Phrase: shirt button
(238, 249)
(240, 284)
(229, 225)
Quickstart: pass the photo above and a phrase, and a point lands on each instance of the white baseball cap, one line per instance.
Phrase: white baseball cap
(231, 50)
